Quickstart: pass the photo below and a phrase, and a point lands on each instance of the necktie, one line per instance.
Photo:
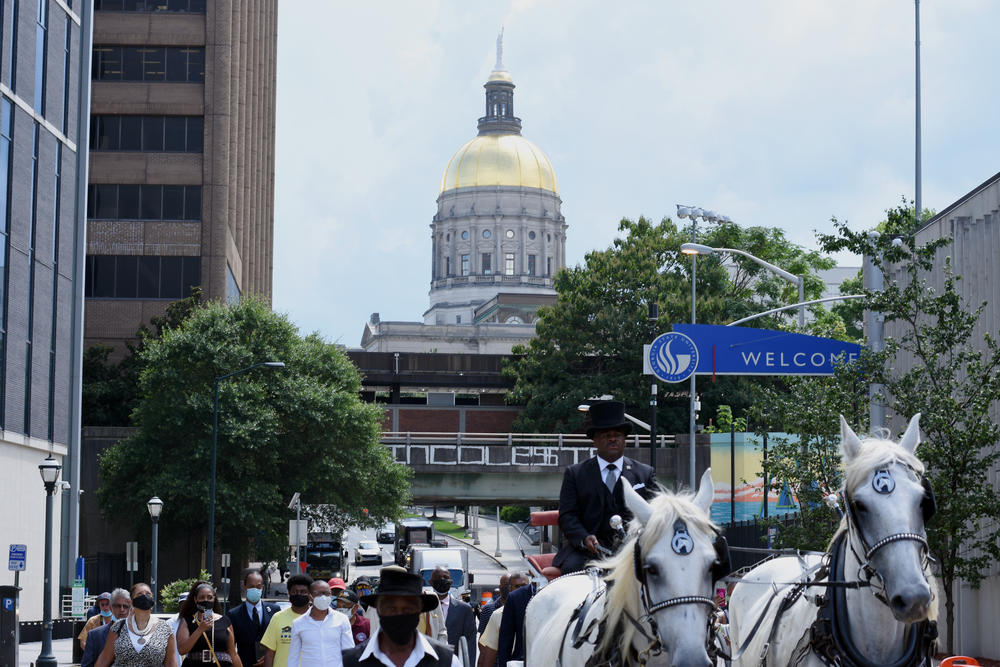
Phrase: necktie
(256, 618)
(611, 476)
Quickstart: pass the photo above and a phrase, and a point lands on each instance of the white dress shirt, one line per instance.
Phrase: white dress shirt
(604, 468)
(420, 649)
(319, 643)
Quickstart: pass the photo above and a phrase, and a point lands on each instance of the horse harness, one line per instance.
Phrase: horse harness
(828, 636)
(583, 623)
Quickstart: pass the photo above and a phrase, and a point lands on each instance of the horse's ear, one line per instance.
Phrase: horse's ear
(706, 491)
(639, 508)
(911, 438)
(850, 443)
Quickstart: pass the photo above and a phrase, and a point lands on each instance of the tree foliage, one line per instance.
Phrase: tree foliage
(589, 343)
(952, 377)
(301, 429)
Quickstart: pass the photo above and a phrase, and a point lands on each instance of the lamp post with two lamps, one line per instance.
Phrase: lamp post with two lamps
(49, 470)
(155, 506)
(210, 551)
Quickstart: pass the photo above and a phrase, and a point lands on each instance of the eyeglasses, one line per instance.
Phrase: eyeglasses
(122, 605)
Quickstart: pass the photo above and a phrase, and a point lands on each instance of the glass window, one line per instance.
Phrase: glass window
(152, 133)
(149, 278)
(41, 30)
(508, 264)
(131, 59)
(192, 202)
(149, 63)
(510, 233)
(176, 65)
(128, 202)
(447, 266)
(106, 202)
(104, 276)
(126, 275)
(195, 65)
(465, 235)
(131, 136)
(487, 263)
(487, 233)
(232, 289)
(109, 63)
(465, 265)
(173, 202)
(548, 266)
(531, 265)
(152, 202)
(105, 131)
(192, 274)
(174, 130)
(195, 134)
(171, 277)
(531, 235)
(153, 66)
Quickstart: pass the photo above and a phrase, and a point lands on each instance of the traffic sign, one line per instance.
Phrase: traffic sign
(132, 556)
(672, 357)
(18, 557)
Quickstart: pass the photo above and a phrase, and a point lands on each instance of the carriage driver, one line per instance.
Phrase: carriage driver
(592, 490)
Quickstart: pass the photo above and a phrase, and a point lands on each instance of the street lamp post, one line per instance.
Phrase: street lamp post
(155, 506)
(49, 470)
(210, 551)
(695, 249)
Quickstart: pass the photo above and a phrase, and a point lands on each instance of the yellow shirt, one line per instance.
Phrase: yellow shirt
(491, 633)
(278, 635)
(92, 623)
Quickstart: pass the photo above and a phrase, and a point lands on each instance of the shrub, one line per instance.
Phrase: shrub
(514, 513)
(170, 593)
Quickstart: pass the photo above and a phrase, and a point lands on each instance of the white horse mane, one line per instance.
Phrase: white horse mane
(666, 508)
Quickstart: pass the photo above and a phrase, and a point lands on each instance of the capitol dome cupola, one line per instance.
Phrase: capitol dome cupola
(499, 229)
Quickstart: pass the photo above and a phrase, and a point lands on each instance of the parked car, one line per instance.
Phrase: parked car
(368, 551)
(386, 534)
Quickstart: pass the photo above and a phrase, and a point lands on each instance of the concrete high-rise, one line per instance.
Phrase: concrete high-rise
(181, 178)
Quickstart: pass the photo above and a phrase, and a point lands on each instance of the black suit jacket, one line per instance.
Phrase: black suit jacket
(461, 622)
(246, 638)
(510, 644)
(586, 506)
(96, 639)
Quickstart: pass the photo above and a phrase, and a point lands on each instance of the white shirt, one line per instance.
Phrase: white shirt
(604, 467)
(445, 604)
(420, 649)
(319, 643)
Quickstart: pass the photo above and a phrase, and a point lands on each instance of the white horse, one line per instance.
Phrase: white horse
(876, 593)
(652, 604)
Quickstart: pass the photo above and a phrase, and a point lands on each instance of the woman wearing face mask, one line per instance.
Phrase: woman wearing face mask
(204, 636)
(140, 640)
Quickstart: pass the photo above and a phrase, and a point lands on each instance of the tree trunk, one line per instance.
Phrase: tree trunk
(949, 614)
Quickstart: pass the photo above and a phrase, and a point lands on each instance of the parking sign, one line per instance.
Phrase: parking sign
(17, 558)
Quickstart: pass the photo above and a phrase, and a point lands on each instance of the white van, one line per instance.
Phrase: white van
(423, 560)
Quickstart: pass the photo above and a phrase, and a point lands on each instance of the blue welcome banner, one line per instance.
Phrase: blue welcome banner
(745, 351)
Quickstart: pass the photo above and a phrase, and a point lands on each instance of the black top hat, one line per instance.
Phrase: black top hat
(394, 580)
(607, 415)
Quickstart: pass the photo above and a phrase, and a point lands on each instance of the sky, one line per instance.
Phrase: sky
(781, 113)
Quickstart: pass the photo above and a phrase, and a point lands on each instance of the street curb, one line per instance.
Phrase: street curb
(469, 544)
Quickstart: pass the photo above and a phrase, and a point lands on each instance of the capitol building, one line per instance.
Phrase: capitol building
(497, 239)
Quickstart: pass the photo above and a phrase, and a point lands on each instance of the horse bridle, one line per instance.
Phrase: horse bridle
(720, 568)
(928, 508)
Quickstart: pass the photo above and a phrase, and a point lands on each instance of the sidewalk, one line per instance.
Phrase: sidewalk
(511, 556)
(27, 653)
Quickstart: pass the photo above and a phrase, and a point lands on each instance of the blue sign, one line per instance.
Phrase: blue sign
(8, 604)
(18, 557)
(673, 357)
(745, 351)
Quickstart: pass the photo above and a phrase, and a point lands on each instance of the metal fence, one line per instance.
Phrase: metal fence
(749, 538)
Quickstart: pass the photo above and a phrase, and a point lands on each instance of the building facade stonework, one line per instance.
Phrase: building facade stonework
(182, 158)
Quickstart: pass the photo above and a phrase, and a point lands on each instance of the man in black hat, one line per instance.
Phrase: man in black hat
(592, 490)
(400, 600)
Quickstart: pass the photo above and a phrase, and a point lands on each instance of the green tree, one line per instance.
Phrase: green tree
(111, 388)
(951, 380)
(589, 342)
(301, 429)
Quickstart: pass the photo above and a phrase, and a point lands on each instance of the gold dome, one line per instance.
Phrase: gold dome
(499, 159)
(500, 75)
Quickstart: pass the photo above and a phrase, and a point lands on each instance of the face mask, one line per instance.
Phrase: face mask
(346, 611)
(143, 602)
(299, 600)
(253, 595)
(504, 591)
(322, 602)
(106, 613)
(205, 606)
(400, 629)
(441, 585)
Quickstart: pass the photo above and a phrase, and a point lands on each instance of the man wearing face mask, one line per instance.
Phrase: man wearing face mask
(251, 619)
(487, 609)
(489, 640)
(278, 635)
(120, 605)
(400, 600)
(347, 604)
(103, 617)
(454, 615)
(319, 637)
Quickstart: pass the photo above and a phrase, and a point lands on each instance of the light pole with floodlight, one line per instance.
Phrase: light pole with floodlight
(49, 470)
(210, 551)
(155, 506)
